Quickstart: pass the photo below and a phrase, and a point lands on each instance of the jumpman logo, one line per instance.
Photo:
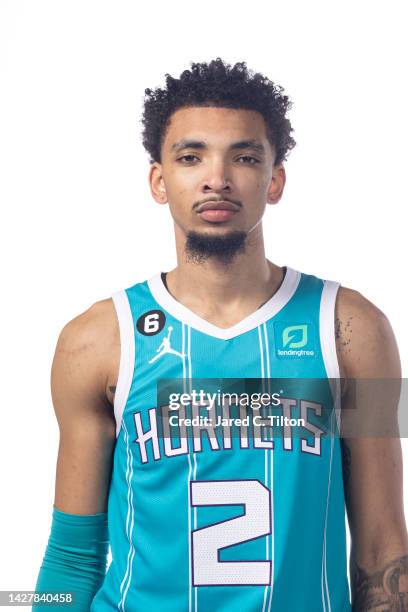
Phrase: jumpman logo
(166, 348)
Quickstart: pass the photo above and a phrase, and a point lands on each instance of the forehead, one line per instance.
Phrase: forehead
(214, 124)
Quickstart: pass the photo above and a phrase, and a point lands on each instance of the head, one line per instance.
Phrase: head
(217, 138)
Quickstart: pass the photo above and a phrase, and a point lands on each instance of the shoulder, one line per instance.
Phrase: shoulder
(365, 341)
(88, 347)
(91, 329)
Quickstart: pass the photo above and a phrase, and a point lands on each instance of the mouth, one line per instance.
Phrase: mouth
(217, 211)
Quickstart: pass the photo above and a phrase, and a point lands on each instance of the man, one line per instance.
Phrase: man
(218, 137)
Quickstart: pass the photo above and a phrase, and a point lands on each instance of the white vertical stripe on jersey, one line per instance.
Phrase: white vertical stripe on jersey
(327, 508)
(183, 346)
(190, 376)
(131, 552)
(272, 456)
(261, 353)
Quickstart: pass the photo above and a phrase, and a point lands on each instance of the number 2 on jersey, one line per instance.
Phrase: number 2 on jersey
(206, 542)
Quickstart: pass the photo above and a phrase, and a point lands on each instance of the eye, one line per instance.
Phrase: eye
(252, 161)
(184, 157)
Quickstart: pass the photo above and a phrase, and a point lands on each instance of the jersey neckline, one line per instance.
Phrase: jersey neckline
(269, 309)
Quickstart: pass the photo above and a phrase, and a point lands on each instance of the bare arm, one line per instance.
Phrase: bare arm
(372, 466)
(86, 355)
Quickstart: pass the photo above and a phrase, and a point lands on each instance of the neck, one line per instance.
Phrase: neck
(212, 286)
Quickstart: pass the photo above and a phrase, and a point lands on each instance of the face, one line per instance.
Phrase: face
(217, 171)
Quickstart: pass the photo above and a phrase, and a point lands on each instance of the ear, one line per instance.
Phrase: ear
(156, 182)
(277, 184)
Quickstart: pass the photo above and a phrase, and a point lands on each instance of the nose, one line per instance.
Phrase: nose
(217, 179)
(217, 185)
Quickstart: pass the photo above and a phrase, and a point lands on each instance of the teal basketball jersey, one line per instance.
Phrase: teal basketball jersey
(222, 519)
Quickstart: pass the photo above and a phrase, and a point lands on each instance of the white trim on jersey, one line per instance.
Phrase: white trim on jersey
(127, 354)
(331, 363)
(328, 341)
(187, 316)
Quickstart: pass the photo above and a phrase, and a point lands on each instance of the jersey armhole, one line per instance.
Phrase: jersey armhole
(127, 355)
(328, 342)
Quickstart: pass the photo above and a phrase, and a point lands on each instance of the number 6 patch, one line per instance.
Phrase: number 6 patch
(151, 322)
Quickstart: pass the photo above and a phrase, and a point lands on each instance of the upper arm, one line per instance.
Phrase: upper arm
(372, 461)
(85, 351)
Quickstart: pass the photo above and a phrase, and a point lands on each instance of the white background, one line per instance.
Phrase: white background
(78, 220)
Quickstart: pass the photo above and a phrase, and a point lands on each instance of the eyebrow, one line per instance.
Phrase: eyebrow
(200, 144)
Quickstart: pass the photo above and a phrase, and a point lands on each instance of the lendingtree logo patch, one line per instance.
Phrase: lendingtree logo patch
(292, 331)
(294, 339)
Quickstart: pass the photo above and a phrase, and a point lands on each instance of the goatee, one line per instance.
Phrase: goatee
(200, 246)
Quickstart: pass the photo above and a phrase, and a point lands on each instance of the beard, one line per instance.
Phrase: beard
(200, 246)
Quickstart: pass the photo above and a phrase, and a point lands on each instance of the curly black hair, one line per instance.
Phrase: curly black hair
(217, 84)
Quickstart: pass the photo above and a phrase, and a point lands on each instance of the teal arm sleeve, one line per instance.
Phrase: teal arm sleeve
(75, 559)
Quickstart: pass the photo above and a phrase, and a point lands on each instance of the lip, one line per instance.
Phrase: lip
(217, 205)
